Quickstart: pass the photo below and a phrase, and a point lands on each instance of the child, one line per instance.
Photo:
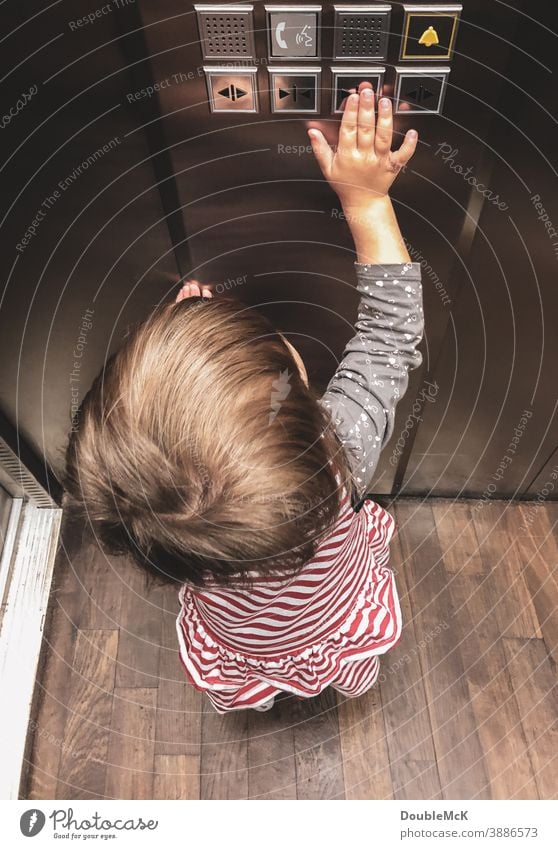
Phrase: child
(203, 452)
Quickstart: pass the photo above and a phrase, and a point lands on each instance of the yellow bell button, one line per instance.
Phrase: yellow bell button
(429, 37)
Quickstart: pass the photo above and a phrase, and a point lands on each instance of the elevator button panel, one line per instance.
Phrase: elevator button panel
(358, 46)
(293, 31)
(232, 90)
(346, 80)
(226, 32)
(429, 32)
(420, 90)
(294, 89)
(362, 32)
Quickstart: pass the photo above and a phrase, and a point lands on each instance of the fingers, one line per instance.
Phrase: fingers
(348, 128)
(192, 289)
(183, 293)
(366, 119)
(384, 127)
(402, 156)
(321, 150)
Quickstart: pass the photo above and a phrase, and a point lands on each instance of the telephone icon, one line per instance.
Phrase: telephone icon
(279, 30)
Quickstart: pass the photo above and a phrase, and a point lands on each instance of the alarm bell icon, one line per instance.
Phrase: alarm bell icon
(429, 37)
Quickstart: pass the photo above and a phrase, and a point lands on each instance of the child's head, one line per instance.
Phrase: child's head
(201, 451)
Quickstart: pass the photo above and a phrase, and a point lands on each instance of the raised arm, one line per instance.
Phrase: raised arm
(373, 374)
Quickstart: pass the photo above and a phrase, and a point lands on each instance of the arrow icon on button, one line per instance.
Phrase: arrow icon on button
(294, 92)
(232, 92)
(420, 94)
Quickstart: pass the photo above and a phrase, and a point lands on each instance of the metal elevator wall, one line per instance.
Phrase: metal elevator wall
(79, 196)
(257, 211)
(237, 200)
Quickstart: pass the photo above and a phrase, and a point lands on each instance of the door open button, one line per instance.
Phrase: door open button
(294, 89)
(293, 31)
(230, 90)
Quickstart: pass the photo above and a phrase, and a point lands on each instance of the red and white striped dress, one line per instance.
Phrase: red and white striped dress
(324, 627)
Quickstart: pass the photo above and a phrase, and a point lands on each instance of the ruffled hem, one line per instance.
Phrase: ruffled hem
(371, 628)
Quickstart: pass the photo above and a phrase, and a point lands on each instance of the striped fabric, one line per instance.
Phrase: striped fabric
(325, 626)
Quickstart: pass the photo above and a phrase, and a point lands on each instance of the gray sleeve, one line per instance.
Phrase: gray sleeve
(373, 374)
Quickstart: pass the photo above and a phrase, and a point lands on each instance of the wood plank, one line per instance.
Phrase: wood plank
(538, 517)
(539, 559)
(224, 755)
(132, 744)
(48, 722)
(405, 707)
(318, 756)
(453, 722)
(457, 536)
(492, 696)
(496, 518)
(271, 761)
(83, 763)
(139, 645)
(66, 603)
(179, 705)
(514, 607)
(366, 769)
(534, 681)
(102, 580)
(177, 777)
(505, 586)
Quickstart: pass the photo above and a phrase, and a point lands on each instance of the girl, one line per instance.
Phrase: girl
(204, 453)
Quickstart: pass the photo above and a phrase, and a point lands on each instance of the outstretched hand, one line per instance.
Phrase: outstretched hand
(363, 166)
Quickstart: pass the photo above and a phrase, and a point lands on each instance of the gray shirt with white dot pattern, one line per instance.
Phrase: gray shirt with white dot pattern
(373, 374)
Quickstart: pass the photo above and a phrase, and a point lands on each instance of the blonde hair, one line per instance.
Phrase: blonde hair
(201, 451)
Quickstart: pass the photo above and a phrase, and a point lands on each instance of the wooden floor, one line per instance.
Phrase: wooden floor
(466, 707)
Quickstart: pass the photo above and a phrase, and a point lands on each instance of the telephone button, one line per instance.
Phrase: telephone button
(293, 31)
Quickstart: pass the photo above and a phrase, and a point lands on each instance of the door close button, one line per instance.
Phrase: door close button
(293, 31)
(420, 90)
(232, 90)
(429, 32)
(294, 89)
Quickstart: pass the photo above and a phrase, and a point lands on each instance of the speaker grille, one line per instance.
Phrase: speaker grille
(226, 36)
(361, 36)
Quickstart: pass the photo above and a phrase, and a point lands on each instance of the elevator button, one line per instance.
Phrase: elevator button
(420, 90)
(429, 32)
(362, 32)
(226, 32)
(294, 89)
(347, 79)
(232, 90)
(293, 31)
